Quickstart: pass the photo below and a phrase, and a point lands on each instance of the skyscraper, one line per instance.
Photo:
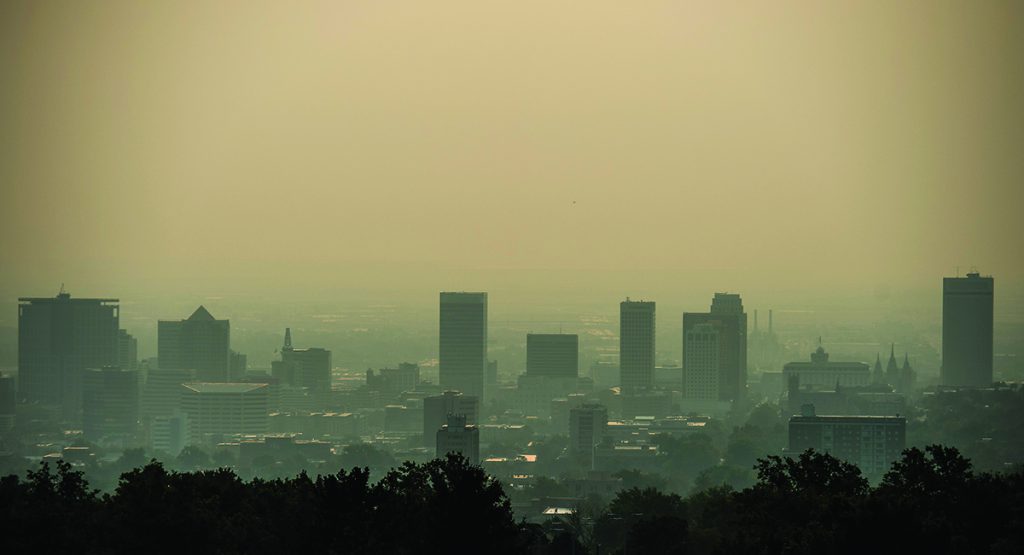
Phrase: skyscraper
(462, 352)
(967, 330)
(552, 355)
(58, 338)
(199, 343)
(636, 345)
(700, 377)
(728, 318)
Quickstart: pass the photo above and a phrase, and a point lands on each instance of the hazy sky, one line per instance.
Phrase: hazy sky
(823, 144)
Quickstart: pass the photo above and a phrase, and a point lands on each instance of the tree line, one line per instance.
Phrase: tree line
(930, 501)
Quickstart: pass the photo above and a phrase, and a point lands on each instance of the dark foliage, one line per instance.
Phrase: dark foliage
(931, 501)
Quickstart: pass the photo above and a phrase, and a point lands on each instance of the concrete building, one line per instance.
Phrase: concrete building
(392, 382)
(110, 402)
(870, 442)
(553, 355)
(587, 427)
(58, 338)
(169, 434)
(161, 396)
(309, 368)
(728, 317)
(216, 410)
(821, 373)
(462, 350)
(700, 354)
(967, 330)
(437, 408)
(456, 436)
(636, 345)
(200, 342)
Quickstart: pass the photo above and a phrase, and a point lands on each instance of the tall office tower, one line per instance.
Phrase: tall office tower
(458, 437)
(309, 368)
(200, 343)
(587, 426)
(127, 350)
(553, 355)
(463, 342)
(437, 408)
(58, 338)
(700, 353)
(728, 317)
(636, 345)
(967, 330)
(110, 402)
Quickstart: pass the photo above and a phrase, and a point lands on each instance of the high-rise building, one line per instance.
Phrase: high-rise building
(110, 402)
(636, 345)
(462, 353)
(456, 436)
(967, 330)
(309, 368)
(200, 342)
(870, 442)
(8, 401)
(127, 350)
(553, 355)
(700, 353)
(437, 408)
(216, 410)
(728, 317)
(58, 338)
(587, 426)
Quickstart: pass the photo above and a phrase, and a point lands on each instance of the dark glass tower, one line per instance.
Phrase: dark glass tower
(462, 352)
(636, 345)
(967, 330)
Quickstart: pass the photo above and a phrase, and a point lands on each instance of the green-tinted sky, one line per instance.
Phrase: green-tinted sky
(825, 144)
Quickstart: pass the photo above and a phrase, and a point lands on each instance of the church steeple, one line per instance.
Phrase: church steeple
(878, 376)
(892, 370)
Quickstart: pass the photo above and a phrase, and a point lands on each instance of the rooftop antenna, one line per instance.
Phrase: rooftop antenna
(61, 288)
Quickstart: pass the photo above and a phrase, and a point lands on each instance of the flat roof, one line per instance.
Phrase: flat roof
(208, 387)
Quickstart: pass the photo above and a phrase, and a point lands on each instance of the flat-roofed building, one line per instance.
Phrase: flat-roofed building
(553, 355)
(216, 410)
(437, 408)
(870, 442)
(821, 373)
(462, 348)
(58, 338)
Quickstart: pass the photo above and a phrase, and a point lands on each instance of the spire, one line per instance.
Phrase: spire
(906, 361)
(878, 375)
(287, 339)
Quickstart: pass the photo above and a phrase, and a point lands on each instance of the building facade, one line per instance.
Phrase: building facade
(58, 338)
(200, 342)
(456, 436)
(728, 317)
(217, 410)
(870, 442)
(636, 345)
(462, 349)
(110, 402)
(553, 355)
(967, 330)
(437, 408)
(700, 360)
